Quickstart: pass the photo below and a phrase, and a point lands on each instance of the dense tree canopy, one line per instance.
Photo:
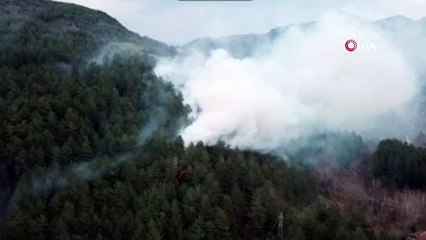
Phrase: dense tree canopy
(223, 194)
(399, 164)
(55, 107)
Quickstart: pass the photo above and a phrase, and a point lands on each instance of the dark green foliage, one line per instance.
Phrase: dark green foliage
(399, 164)
(56, 109)
(45, 31)
(51, 117)
(142, 199)
(321, 221)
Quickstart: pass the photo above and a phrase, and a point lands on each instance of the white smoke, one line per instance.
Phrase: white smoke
(306, 82)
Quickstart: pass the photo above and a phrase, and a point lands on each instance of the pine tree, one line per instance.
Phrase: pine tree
(221, 223)
(258, 213)
(154, 233)
(196, 231)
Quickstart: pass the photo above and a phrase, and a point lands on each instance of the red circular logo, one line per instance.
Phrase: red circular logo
(351, 49)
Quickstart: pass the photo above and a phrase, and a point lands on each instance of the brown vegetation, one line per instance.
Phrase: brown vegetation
(392, 211)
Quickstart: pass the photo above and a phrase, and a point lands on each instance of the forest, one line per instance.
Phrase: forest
(91, 151)
(400, 165)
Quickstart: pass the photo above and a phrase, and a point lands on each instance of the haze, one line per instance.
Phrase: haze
(178, 22)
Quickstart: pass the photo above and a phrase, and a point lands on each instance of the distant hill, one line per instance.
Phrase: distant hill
(244, 45)
(71, 26)
(400, 28)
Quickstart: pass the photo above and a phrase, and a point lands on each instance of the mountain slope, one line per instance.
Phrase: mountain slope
(57, 110)
(73, 27)
(399, 28)
(89, 151)
(244, 45)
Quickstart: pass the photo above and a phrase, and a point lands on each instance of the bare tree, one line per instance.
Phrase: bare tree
(412, 205)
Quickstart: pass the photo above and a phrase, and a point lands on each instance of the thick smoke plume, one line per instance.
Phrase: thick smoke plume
(305, 82)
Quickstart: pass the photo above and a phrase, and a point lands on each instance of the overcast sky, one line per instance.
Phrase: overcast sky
(177, 22)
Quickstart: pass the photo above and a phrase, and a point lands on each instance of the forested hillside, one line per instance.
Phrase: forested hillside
(400, 165)
(57, 109)
(172, 192)
(62, 32)
(90, 150)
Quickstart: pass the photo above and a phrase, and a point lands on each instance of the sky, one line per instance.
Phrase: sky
(179, 22)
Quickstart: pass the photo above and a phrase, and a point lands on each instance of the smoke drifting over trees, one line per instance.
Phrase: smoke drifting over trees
(90, 150)
(302, 83)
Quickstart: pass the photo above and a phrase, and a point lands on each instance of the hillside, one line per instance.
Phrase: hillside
(68, 26)
(91, 151)
(57, 110)
(90, 147)
(403, 30)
